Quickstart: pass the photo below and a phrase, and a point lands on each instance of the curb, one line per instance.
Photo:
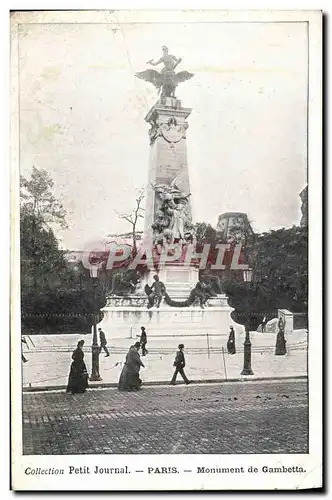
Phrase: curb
(101, 385)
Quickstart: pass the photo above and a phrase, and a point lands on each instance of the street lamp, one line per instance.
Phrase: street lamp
(78, 273)
(95, 347)
(247, 277)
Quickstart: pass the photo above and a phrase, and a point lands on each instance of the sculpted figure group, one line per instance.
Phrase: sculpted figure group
(157, 292)
(172, 223)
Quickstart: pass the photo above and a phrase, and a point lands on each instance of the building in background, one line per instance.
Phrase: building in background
(234, 227)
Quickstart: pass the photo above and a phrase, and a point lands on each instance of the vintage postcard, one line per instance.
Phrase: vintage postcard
(166, 309)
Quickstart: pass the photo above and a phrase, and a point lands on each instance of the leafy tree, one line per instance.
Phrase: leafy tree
(279, 260)
(42, 262)
(205, 233)
(38, 201)
(54, 297)
(281, 263)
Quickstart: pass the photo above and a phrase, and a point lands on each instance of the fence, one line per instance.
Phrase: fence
(208, 357)
(207, 350)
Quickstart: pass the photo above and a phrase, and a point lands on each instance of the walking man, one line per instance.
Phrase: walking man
(103, 342)
(179, 364)
(143, 341)
(23, 340)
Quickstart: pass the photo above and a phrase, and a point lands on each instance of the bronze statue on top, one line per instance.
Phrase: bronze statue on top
(166, 80)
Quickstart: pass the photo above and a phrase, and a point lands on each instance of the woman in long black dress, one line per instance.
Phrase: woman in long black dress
(78, 376)
(231, 342)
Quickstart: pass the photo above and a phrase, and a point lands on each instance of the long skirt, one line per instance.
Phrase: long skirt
(78, 378)
(231, 347)
(129, 381)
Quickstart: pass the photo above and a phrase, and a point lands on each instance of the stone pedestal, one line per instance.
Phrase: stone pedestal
(123, 317)
(178, 279)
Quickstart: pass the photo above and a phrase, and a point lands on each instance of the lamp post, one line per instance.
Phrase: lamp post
(78, 273)
(95, 347)
(247, 277)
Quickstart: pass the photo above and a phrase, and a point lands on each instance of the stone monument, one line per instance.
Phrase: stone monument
(188, 306)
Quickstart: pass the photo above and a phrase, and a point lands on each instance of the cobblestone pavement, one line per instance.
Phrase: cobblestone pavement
(242, 417)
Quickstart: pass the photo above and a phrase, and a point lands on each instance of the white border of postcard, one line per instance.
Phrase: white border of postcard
(312, 462)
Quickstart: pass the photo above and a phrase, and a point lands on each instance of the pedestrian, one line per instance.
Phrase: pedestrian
(179, 364)
(143, 341)
(78, 376)
(103, 342)
(281, 324)
(129, 379)
(264, 324)
(231, 341)
(24, 359)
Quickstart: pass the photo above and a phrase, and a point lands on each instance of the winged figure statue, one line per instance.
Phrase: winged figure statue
(166, 80)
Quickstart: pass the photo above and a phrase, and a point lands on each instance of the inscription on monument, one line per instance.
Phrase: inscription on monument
(172, 159)
(181, 276)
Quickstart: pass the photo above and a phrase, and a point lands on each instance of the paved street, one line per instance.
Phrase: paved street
(243, 417)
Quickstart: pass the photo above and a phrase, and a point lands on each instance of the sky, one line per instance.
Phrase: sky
(82, 118)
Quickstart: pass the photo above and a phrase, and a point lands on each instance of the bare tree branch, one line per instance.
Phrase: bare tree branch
(136, 214)
(127, 218)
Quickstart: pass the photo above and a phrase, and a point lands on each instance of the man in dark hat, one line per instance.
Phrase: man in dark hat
(143, 341)
(179, 364)
(103, 342)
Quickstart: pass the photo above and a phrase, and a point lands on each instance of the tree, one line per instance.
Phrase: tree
(134, 216)
(54, 298)
(38, 201)
(205, 233)
(279, 260)
(41, 260)
(42, 263)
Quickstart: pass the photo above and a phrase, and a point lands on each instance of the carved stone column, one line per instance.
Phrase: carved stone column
(168, 154)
